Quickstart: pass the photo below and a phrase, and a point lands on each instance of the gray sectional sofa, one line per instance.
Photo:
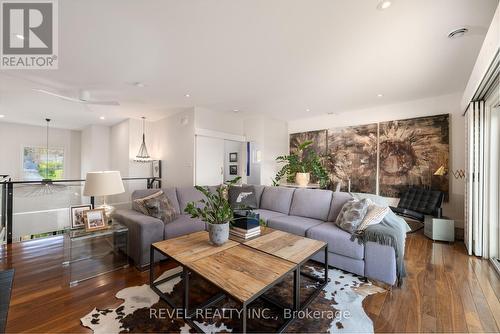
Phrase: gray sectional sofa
(305, 212)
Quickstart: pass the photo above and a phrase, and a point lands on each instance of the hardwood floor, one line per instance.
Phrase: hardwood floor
(445, 291)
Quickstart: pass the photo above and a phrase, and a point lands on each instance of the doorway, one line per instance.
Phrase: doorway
(218, 160)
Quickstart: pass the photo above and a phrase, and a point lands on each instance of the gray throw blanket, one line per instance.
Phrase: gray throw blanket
(391, 231)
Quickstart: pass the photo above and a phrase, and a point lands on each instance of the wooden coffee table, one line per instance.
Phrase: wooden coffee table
(244, 271)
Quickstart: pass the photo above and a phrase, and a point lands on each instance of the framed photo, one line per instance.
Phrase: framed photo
(233, 157)
(95, 220)
(76, 215)
(156, 168)
(233, 170)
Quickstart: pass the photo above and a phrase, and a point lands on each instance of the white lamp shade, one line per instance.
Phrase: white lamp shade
(103, 183)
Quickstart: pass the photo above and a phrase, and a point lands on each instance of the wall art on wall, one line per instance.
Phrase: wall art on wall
(317, 137)
(352, 157)
(411, 152)
(233, 169)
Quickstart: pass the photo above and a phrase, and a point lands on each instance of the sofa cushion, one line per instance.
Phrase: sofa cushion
(339, 241)
(311, 203)
(258, 193)
(277, 199)
(169, 192)
(338, 201)
(293, 224)
(265, 215)
(182, 225)
(186, 195)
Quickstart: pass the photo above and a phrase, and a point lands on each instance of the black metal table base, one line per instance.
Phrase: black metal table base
(187, 315)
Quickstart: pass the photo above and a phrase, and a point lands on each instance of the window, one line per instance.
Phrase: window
(38, 165)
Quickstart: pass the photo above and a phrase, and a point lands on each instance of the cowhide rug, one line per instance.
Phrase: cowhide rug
(338, 308)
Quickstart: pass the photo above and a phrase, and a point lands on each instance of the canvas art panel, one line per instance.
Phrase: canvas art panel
(352, 157)
(317, 137)
(411, 152)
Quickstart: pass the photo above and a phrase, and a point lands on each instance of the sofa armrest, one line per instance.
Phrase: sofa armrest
(142, 232)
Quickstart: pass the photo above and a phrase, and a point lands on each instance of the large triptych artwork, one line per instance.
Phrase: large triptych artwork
(402, 153)
(411, 152)
(352, 157)
(317, 137)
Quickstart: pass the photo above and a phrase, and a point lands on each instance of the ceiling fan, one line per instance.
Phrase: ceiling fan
(83, 97)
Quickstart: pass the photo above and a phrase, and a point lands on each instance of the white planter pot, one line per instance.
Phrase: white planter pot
(218, 233)
(302, 179)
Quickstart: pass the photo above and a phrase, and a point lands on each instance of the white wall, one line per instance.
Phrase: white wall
(425, 107)
(15, 136)
(173, 143)
(271, 138)
(231, 146)
(227, 122)
(486, 55)
(95, 149)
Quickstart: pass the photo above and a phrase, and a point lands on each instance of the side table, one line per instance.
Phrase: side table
(442, 229)
(89, 254)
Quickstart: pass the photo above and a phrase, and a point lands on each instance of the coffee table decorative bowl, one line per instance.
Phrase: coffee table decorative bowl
(242, 271)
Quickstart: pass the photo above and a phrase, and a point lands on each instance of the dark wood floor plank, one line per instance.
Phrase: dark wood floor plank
(445, 290)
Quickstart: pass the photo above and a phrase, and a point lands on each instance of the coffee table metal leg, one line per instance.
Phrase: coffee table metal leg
(326, 264)
(186, 292)
(151, 265)
(296, 288)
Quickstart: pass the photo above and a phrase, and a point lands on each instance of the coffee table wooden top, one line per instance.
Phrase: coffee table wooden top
(242, 271)
(287, 246)
(191, 247)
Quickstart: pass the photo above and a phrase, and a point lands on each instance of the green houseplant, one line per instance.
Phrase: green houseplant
(300, 166)
(214, 210)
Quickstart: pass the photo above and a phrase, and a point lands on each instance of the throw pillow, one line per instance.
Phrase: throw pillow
(374, 215)
(242, 197)
(161, 208)
(351, 215)
(156, 205)
(140, 202)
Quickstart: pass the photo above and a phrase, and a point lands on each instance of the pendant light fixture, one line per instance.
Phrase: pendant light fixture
(143, 155)
(46, 186)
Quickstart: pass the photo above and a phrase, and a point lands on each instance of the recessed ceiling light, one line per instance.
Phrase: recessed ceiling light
(187, 95)
(384, 4)
(236, 110)
(102, 118)
(20, 36)
(330, 113)
(2, 116)
(458, 33)
(308, 110)
(380, 95)
(139, 84)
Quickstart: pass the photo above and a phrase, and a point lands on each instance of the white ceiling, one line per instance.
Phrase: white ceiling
(273, 56)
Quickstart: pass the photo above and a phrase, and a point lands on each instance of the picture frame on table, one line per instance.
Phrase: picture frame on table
(95, 220)
(233, 157)
(77, 218)
(233, 170)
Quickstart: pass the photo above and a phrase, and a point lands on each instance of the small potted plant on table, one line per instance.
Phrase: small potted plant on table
(214, 210)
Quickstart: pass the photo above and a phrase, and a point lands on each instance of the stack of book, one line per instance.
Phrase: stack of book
(245, 234)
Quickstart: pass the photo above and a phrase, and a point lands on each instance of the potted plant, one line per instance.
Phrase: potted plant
(300, 166)
(215, 211)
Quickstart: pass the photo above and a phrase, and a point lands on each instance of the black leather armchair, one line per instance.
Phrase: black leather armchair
(415, 203)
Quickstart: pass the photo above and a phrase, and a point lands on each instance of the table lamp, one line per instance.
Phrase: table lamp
(104, 183)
